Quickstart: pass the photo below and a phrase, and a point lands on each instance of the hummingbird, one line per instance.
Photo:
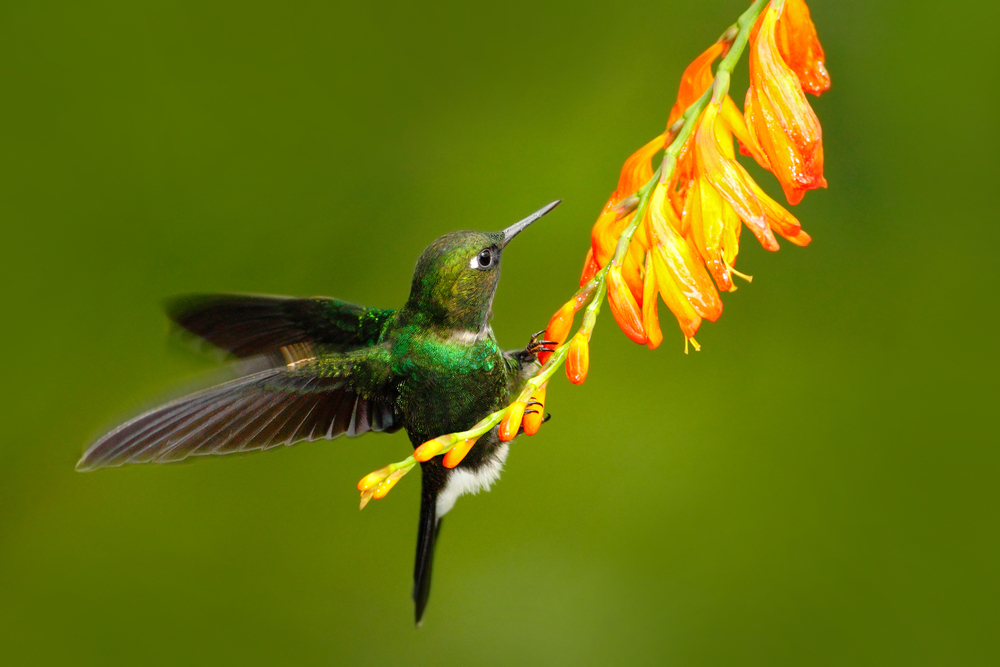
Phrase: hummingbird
(318, 368)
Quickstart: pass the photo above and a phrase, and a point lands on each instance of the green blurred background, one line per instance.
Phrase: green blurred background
(817, 487)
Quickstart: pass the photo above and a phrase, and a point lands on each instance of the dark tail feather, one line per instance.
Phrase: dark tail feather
(427, 533)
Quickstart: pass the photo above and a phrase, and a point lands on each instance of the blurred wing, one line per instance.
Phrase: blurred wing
(247, 325)
(308, 400)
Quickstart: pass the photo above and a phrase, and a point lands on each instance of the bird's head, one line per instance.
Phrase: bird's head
(456, 276)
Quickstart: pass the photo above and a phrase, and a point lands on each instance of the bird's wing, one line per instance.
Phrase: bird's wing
(310, 399)
(246, 325)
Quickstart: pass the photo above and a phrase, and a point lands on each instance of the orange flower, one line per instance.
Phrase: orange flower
(779, 117)
(624, 308)
(799, 46)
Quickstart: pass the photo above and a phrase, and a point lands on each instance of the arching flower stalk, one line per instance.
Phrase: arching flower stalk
(673, 233)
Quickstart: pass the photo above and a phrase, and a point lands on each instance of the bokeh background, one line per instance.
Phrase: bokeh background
(817, 487)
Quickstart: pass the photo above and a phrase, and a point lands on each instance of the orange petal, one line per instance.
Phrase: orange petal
(578, 359)
(780, 220)
(638, 169)
(737, 124)
(730, 179)
(799, 46)
(604, 235)
(650, 319)
(711, 218)
(674, 259)
(457, 453)
(511, 422)
(561, 322)
(688, 320)
(559, 327)
(590, 267)
(533, 420)
(695, 80)
(623, 306)
(785, 125)
(632, 270)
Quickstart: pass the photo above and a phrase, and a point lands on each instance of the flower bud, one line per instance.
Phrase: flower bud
(623, 306)
(578, 359)
(511, 422)
(432, 448)
(458, 452)
(373, 479)
(386, 486)
(365, 497)
(533, 421)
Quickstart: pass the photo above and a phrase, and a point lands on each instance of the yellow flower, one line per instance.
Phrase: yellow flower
(681, 277)
(717, 165)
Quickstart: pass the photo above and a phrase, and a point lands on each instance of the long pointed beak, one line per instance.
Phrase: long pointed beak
(519, 226)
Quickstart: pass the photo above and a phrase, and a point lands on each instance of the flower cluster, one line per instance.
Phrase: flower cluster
(673, 233)
(684, 246)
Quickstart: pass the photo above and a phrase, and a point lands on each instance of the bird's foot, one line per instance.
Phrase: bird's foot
(536, 345)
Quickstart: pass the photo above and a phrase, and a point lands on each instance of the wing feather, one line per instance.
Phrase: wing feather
(269, 408)
(247, 324)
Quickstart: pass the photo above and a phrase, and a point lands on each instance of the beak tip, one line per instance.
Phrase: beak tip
(519, 226)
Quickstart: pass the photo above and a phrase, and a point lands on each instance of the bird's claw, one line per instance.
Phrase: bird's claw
(535, 345)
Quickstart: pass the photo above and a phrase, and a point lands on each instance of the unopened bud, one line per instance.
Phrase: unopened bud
(432, 448)
(626, 206)
(534, 416)
(578, 359)
(373, 479)
(511, 422)
(561, 323)
(386, 486)
(458, 452)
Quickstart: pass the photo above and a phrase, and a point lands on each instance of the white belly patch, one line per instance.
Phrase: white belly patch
(462, 481)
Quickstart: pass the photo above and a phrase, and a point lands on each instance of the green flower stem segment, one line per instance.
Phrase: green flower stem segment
(380, 482)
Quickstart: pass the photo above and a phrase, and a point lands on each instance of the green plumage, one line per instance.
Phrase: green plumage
(323, 368)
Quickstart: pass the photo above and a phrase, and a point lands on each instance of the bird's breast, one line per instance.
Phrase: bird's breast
(447, 385)
(463, 480)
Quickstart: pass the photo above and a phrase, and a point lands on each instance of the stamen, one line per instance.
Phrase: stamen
(744, 276)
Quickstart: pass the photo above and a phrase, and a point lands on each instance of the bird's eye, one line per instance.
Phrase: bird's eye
(483, 260)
